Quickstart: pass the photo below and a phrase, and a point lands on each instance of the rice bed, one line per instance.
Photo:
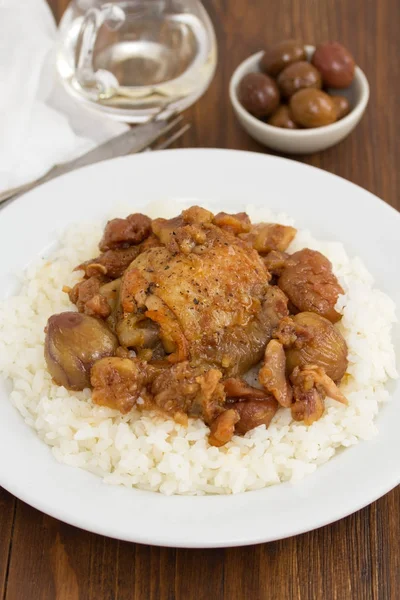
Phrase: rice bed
(145, 451)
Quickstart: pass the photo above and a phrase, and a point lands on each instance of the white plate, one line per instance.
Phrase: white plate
(333, 209)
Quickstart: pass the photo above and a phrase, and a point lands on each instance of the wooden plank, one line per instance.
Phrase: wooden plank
(200, 574)
(7, 510)
(357, 557)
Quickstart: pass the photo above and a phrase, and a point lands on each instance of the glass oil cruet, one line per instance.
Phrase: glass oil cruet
(129, 58)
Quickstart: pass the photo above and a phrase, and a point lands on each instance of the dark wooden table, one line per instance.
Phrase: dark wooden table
(356, 558)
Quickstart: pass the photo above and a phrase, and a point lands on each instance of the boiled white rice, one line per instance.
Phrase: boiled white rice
(149, 452)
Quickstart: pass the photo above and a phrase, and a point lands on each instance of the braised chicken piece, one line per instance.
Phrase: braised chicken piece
(223, 428)
(184, 390)
(266, 237)
(309, 283)
(151, 242)
(86, 296)
(165, 230)
(110, 291)
(139, 333)
(237, 223)
(187, 238)
(111, 263)
(96, 296)
(118, 382)
(186, 229)
(121, 233)
(325, 383)
(183, 233)
(310, 387)
(275, 261)
(241, 418)
(213, 305)
(275, 307)
(254, 413)
(253, 406)
(98, 306)
(196, 215)
(308, 404)
(272, 375)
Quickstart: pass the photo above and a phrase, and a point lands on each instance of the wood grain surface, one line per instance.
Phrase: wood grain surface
(356, 558)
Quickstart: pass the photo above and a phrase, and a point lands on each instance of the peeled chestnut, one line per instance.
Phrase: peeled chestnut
(282, 118)
(254, 413)
(73, 343)
(297, 76)
(258, 94)
(276, 58)
(326, 348)
(312, 108)
(335, 63)
(342, 106)
(308, 281)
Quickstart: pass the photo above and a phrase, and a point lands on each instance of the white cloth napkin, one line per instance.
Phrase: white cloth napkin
(40, 125)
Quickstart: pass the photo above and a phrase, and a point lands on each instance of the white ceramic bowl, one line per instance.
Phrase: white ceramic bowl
(300, 141)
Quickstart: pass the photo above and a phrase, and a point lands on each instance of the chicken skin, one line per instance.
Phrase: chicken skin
(209, 294)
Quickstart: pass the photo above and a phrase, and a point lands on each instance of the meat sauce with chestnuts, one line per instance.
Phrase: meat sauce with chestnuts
(292, 93)
(172, 314)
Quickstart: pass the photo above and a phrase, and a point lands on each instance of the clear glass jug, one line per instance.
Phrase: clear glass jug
(129, 58)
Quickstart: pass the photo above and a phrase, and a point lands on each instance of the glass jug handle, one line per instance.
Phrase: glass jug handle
(97, 84)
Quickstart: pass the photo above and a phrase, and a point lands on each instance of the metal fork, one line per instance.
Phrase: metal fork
(133, 141)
